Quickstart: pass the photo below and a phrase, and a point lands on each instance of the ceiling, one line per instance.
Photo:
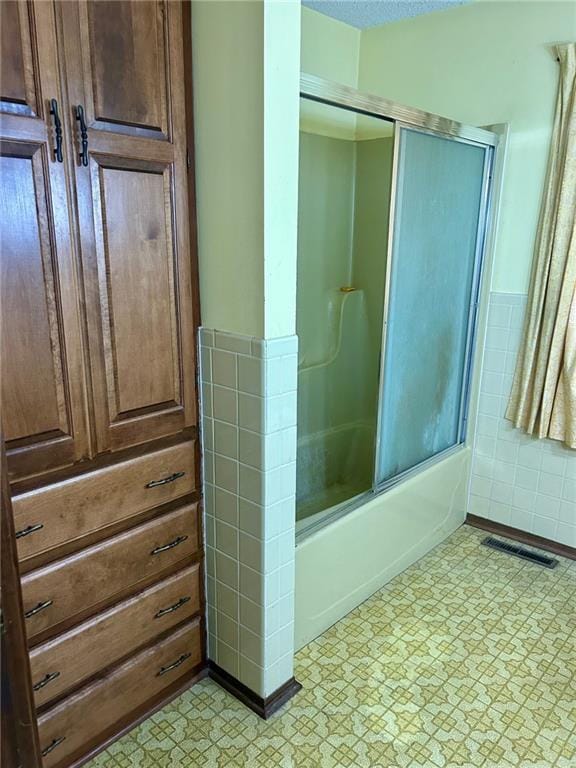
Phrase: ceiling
(372, 13)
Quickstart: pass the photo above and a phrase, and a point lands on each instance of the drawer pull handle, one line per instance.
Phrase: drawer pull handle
(181, 660)
(28, 530)
(165, 480)
(55, 743)
(45, 680)
(179, 604)
(171, 545)
(38, 608)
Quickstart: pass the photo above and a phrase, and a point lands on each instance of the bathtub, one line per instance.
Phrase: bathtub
(345, 562)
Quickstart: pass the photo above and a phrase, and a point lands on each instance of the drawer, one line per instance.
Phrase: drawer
(62, 512)
(86, 716)
(95, 574)
(65, 661)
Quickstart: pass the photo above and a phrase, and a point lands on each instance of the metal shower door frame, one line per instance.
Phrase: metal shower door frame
(482, 229)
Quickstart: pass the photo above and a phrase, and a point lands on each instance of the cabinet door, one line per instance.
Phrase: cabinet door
(43, 391)
(125, 69)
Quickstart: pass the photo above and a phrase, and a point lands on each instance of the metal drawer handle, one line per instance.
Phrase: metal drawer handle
(179, 604)
(53, 745)
(171, 545)
(165, 480)
(28, 530)
(38, 608)
(45, 680)
(181, 660)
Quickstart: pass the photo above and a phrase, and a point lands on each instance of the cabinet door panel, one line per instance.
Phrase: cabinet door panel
(134, 220)
(128, 38)
(34, 404)
(18, 88)
(136, 257)
(43, 386)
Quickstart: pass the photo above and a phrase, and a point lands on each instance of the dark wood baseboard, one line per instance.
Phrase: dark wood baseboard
(522, 536)
(264, 707)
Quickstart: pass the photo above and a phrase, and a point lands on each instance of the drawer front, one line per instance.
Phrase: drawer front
(80, 719)
(63, 663)
(69, 586)
(55, 514)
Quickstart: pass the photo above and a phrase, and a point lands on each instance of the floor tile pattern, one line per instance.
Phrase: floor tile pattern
(466, 660)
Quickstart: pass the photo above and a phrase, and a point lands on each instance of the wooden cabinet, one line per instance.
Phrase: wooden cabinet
(96, 257)
(87, 716)
(74, 656)
(43, 383)
(53, 515)
(98, 321)
(133, 214)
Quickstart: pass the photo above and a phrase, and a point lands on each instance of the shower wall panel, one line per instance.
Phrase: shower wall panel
(342, 242)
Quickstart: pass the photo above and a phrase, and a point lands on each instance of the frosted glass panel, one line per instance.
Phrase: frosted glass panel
(432, 284)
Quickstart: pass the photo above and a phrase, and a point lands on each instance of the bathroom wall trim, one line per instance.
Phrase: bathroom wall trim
(522, 536)
(264, 707)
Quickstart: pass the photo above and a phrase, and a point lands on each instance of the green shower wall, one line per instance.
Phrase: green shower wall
(344, 196)
(343, 207)
(325, 236)
(373, 188)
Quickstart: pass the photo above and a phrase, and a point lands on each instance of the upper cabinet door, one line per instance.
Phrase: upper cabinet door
(18, 81)
(126, 70)
(43, 388)
(125, 65)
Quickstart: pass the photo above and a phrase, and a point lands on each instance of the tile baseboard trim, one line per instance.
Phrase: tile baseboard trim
(563, 550)
(263, 707)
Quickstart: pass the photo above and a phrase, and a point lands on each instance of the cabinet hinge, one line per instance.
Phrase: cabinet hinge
(188, 159)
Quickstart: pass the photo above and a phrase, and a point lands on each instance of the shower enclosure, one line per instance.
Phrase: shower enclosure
(345, 175)
(392, 219)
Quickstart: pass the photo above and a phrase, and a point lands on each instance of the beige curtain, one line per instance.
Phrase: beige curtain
(543, 399)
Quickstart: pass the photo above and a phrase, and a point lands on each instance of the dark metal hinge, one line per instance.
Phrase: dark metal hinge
(188, 164)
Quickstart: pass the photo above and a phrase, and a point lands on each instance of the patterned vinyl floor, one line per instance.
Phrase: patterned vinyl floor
(468, 658)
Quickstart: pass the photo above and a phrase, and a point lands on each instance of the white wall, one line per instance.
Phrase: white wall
(227, 40)
(483, 63)
(246, 75)
(246, 102)
(281, 115)
(329, 49)
(516, 480)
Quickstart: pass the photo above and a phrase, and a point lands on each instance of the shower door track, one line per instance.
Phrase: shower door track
(317, 89)
(377, 490)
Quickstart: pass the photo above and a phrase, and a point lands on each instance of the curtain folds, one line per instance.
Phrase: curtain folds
(543, 398)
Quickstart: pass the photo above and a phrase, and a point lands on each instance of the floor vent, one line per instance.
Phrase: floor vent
(525, 554)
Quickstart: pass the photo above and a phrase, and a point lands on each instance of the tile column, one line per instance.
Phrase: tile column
(249, 448)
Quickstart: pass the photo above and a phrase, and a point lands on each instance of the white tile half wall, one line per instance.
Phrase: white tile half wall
(517, 480)
(249, 449)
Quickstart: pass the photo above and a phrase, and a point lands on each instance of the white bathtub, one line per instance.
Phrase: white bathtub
(342, 564)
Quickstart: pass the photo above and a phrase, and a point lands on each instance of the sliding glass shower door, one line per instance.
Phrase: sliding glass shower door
(433, 276)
